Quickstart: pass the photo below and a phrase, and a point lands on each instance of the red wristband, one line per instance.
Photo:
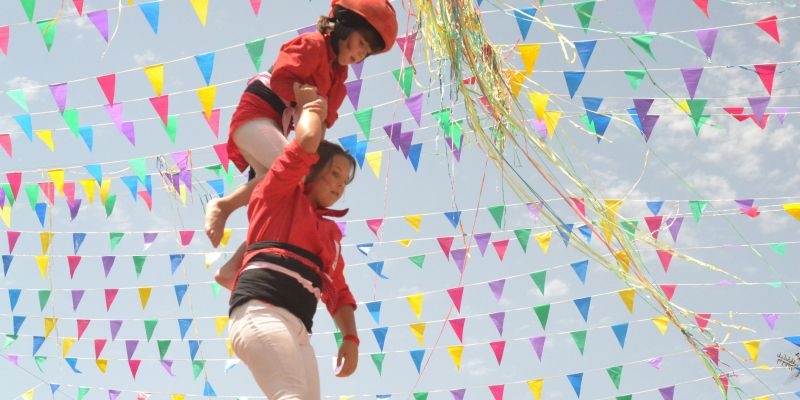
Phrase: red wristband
(354, 338)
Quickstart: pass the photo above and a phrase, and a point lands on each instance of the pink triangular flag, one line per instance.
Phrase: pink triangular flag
(538, 345)
(414, 104)
(691, 77)
(14, 180)
(69, 191)
(111, 294)
(222, 153)
(645, 8)
(115, 112)
(5, 142)
(713, 352)
(458, 327)
(13, 236)
(4, 39)
(665, 257)
(82, 324)
(100, 20)
(703, 5)
(73, 262)
(445, 243)
(406, 45)
(707, 38)
(579, 204)
(767, 74)
(213, 121)
(456, 294)
(770, 25)
(49, 190)
(354, 91)
(770, 319)
(374, 225)
(99, 345)
(500, 247)
(736, 112)
(497, 391)
(498, 348)
(161, 105)
(108, 84)
(14, 359)
(669, 290)
(78, 6)
(134, 365)
(145, 195)
(186, 237)
(59, 92)
(256, 4)
(702, 320)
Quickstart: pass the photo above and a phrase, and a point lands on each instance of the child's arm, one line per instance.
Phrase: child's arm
(310, 126)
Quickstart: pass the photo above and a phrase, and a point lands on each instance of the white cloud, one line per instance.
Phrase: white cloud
(146, 58)
(711, 186)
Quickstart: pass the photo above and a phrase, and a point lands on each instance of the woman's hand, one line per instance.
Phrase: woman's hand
(304, 94)
(349, 352)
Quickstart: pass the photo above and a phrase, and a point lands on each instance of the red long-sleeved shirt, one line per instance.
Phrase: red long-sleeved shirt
(307, 59)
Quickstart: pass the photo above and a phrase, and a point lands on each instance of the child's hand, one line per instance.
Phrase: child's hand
(318, 106)
(304, 94)
(347, 359)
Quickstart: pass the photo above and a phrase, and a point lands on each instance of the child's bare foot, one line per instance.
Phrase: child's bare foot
(216, 216)
(224, 277)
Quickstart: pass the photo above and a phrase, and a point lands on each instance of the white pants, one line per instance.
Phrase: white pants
(260, 141)
(275, 346)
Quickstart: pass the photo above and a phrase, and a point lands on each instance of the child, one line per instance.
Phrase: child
(354, 30)
(293, 259)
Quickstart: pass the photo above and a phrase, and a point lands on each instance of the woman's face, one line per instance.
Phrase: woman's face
(354, 49)
(329, 185)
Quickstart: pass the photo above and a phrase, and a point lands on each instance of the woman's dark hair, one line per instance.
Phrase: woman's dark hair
(343, 22)
(326, 152)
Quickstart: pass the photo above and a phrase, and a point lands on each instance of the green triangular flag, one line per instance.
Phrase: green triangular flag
(229, 174)
(635, 77)
(580, 339)
(364, 118)
(215, 288)
(111, 200)
(377, 359)
(643, 41)
(138, 263)
(584, 11)
(44, 297)
(497, 213)
(215, 169)
(779, 248)
(629, 226)
(18, 95)
(696, 107)
(139, 166)
(442, 117)
(256, 49)
(417, 260)
(114, 238)
(523, 235)
(697, 206)
(456, 131)
(698, 124)
(39, 360)
(405, 79)
(589, 123)
(625, 397)
(542, 312)
(149, 327)
(776, 285)
(539, 279)
(33, 194)
(82, 392)
(197, 367)
(10, 339)
(171, 128)
(338, 337)
(9, 194)
(615, 373)
(163, 346)
(421, 396)
(29, 6)
(71, 119)
(48, 29)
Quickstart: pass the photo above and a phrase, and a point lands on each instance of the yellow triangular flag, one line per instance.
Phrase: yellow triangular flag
(207, 95)
(539, 102)
(102, 364)
(529, 53)
(415, 300)
(229, 346)
(684, 106)
(201, 8)
(42, 262)
(144, 295)
(47, 137)
(105, 187)
(183, 194)
(88, 187)
(419, 332)
(661, 324)
(211, 258)
(404, 242)
(374, 161)
(155, 73)
(627, 298)
(130, 3)
(455, 353)
(5, 214)
(49, 324)
(793, 210)
(46, 238)
(612, 206)
(221, 323)
(57, 176)
(761, 398)
(28, 395)
(67, 344)
(551, 119)
(624, 261)
(536, 388)
(515, 79)
(178, 396)
(752, 349)
(345, 397)
(226, 236)
(544, 240)
(764, 367)
(414, 221)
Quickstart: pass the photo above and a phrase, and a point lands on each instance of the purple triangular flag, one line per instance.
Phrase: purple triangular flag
(770, 319)
(113, 394)
(342, 227)
(458, 257)
(149, 238)
(59, 92)
(535, 212)
(114, 324)
(482, 239)
(458, 394)
(414, 104)
(108, 263)
(357, 68)
(674, 225)
(648, 124)
(186, 178)
(181, 159)
(497, 288)
(74, 207)
(405, 142)
(354, 91)
(77, 295)
(645, 8)
(642, 107)
(538, 345)
(167, 364)
(130, 347)
(393, 131)
(780, 112)
(707, 38)
(307, 29)
(655, 362)
(100, 20)
(499, 320)
(691, 77)
(540, 127)
(115, 112)
(745, 204)
(129, 132)
(759, 106)
(667, 392)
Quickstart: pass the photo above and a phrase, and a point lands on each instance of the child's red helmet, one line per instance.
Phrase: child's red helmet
(379, 13)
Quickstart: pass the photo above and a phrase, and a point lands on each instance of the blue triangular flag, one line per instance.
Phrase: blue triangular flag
(413, 155)
(180, 291)
(565, 230)
(194, 345)
(18, 321)
(175, 261)
(585, 50)
(218, 185)
(13, 297)
(586, 231)
(184, 324)
(576, 380)
(454, 217)
(580, 269)
(574, 79)
(364, 248)
(24, 122)
(417, 356)
(37, 343)
(132, 182)
(54, 387)
(655, 206)
(209, 391)
(73, 363)
(7, 259)
(524, 18)
(87, 134)
(793, 339)
(374, 309)
(377, 267)
(349, 143)
(151, 11)
(206, 64)
(96, 171)
(77, 241)
(41, 212)
(361, 152)
(592, 103)
(583, 307)
(148, 184)
(380, 335)
(635, 118)
(620, 331)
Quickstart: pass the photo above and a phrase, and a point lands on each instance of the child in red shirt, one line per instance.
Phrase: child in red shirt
(354, 30)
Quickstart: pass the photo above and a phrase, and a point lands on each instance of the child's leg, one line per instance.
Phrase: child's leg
(260, 141)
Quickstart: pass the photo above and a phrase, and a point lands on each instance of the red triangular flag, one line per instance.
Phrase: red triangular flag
(767, 74)
(73, 262)
(374, 225)
(500, 247)
(12, 237)
(736, 112)
(456, 294)
(145, 195)
(49, 190)
(669, 290)
(82, 324)
(579, 204)
(256, 6)
(702, 320)
(222, 153)
(654, 224)
(665, 257)
(498, 348)
(458, 327)
(161, 105)
(5, 142)
(703, 5)
(108, 83)
(4, 39)
(14, 180)
(497, 391)
(213, 121)
(446, 243)
(134, 364)
(763, 123)
(79, 6)
(713, 352)
(770, 25)
(99, 344)
(111, 294)
(406, 45)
